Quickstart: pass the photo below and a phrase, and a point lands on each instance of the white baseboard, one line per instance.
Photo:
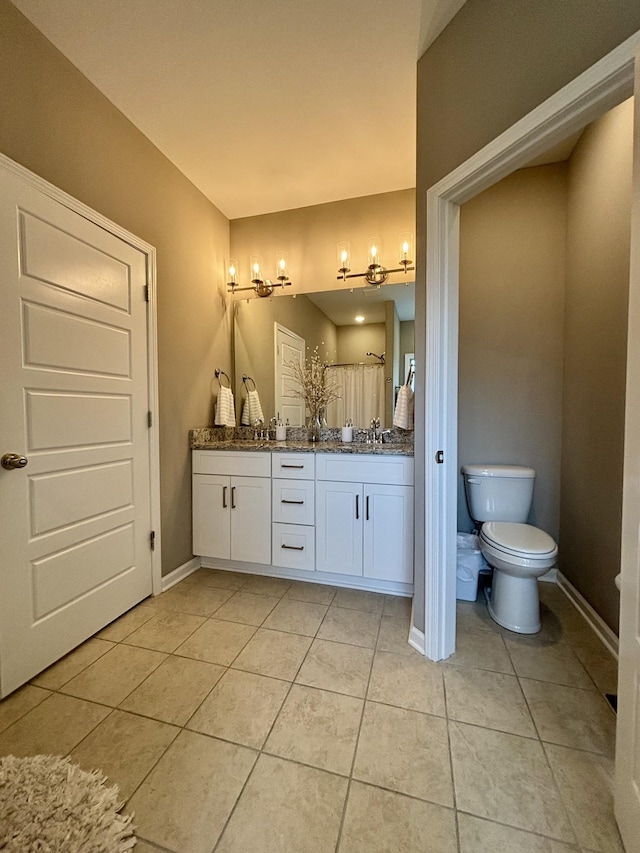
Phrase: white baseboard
(181, 573)
(595, 622)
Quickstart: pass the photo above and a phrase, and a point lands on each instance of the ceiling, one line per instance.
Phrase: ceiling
(342, 306)
(264, 106)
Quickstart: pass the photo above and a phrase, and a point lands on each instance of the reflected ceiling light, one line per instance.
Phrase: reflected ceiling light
(359, 318)
(375, 272)
(259, 284)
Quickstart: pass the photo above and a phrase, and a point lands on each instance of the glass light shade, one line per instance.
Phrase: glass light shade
(406, 248)
(282, 266)
(231, 265)
(256, 268)
(344, 258)
(375, 252)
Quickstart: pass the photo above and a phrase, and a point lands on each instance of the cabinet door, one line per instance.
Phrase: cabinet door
(339, 514)
(388, 533)
(251, 519)
(211, 516)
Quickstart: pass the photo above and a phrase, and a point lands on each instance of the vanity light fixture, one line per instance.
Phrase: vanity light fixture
(259, 284)
(375, 273)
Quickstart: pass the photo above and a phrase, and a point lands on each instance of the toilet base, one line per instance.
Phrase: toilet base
(514, 603)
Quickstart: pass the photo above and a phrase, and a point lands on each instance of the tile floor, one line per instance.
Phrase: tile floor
(241, 713)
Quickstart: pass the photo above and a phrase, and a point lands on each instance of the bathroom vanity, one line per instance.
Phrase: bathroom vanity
(331, 513)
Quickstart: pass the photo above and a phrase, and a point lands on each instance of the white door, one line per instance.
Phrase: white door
(339, 515)
(627, 786)
(251, 519)
(388, 533)
(289, 347)
(75, 522)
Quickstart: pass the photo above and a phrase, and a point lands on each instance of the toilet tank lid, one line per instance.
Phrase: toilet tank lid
(514, 471)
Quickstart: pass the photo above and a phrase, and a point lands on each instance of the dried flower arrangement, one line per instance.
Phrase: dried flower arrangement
(314, 386)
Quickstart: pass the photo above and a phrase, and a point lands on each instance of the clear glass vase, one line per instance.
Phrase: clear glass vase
(314, 427)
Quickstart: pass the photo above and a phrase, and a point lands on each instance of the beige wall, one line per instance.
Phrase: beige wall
(254, 341)
(56, 123)
(597, 289)
(311, 236)
(512, 270)
(354, 342)
(493, 64)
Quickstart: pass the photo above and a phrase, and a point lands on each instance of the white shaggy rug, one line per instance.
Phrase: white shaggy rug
(48, 805)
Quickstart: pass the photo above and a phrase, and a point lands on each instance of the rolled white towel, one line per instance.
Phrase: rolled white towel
(403, 415)
(225, 408)
(252, 409)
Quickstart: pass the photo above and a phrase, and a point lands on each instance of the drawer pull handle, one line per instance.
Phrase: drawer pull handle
(224, 497)
(284, 465)
(233, 497)
(357, 507)
(293, 547)
(367, 508)
(285, 501)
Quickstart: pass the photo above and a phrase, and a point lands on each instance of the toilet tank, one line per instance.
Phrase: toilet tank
(498, 492)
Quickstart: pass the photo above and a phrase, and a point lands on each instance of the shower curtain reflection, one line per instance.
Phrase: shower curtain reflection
(362, 394)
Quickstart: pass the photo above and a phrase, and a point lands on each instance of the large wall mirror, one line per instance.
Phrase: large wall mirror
(269, 332)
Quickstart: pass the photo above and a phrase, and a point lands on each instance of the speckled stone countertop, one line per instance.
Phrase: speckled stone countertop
(228, 438)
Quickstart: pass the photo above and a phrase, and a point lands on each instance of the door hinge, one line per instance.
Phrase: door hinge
(149, 419)
(152, 540)
(146, 293)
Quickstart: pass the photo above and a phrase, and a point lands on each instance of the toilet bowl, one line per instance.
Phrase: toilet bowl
(519, 554)
(499, 498)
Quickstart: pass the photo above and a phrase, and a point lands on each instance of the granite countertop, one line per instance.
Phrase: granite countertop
(396, 443)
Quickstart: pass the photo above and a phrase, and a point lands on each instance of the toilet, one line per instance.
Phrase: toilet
(499, 498)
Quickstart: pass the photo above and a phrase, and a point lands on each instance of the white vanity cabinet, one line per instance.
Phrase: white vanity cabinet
(364, 516)
(293, 502)
(232, 505)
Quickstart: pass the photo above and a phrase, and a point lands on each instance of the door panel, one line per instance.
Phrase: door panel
(251, 519)
(339, 514)
(388, 533)
(212, 515)
(75, 522)
(289, 348)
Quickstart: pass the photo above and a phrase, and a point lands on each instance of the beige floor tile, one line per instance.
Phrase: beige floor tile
(174, 690)
(192, 598)
(19, 703)
(124, 747)
(405, 751)
(586, 786)
(266, 586)
(490, 699)
(398, 606)
(113, 676)
(184, 802)
(337, 667)
(601, 666)
(217, 642)
(553, 597)
(576, 631)
(557, 664)
(474, 616)
(394, 637)
(571, 717)
(273, 653)
(481, 650)
(483, 836)
(218, 578)
(318, 728)
(53, 727)
(379, 821)
(117, 630)
(506, 778)
(70, 665)
(248, 608)
(314, 593)
(350, 626)
(241, 708)
(359, 599)
(408, 682)
(286, 808)
(296, 617)
(165, 631)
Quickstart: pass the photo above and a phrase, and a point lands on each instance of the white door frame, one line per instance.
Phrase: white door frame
(152, 339)
(598, 89)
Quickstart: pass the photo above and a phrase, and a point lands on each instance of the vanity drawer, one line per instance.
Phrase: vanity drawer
(294, 466)
(251, 464)
(365, 468)
(293, 501)
(294, 546)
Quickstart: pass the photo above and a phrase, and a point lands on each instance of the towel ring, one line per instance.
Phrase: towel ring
(246, 379)
(219, 375)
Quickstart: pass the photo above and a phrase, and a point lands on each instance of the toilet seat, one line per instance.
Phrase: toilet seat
(522, 541)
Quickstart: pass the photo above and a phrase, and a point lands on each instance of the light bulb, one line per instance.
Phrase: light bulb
(405, 248)
(344, 256)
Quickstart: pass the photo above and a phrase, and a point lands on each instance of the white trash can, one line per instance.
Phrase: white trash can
(469, 562)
